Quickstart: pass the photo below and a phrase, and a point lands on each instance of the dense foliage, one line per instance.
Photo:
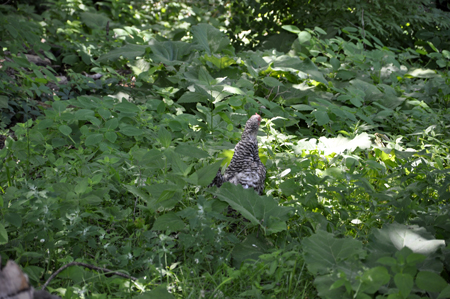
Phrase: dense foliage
(112, 171)
(396, 23)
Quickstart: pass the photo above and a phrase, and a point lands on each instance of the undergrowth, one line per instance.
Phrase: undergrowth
(113, 171)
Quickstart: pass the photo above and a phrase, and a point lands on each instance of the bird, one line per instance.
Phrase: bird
(245, 168)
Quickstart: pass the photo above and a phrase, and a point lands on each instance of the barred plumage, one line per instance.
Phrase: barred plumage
(245, 167)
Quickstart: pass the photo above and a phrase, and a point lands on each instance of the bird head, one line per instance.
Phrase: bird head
(252, 125)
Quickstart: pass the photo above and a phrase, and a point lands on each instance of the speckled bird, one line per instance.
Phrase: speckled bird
(245, 167)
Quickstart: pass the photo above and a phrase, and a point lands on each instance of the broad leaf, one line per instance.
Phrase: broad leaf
(191, 151)
(164, 137)
(304, 37)
(321, 117)
(430, 281)
(131, 130)
(397, 236)
(93, 139)
(94, 20)
(209, 38)
(130, 51)
(3, 235)
(206, 174)
(169, 221)
(169, 52)
(193, 97)
(404, 283)
(66, 130)
(323, 251)
(373, 279)
(259, 210)
(371, 92)
(250, 249)
(222, 62)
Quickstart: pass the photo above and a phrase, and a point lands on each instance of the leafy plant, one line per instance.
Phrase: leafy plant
(110, 167)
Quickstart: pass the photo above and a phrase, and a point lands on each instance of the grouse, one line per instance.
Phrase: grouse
(245, 167)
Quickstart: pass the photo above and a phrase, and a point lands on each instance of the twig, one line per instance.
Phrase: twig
(87, 266)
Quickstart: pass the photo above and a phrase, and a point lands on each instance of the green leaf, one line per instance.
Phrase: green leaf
(169, 52)
(126, 106)
(153, 156)
(129, 51)
(14, 219)
(59, 106)
(259, 210)
(207, 173)
(93, 139)
(291, 28)
(164, 137)
(163, 196)
(289, 187)
(311, 69)
(129, 130)
(373, 279)
(272, 82)
(91, 199)
(445, 293)
(94, 20)
(204, 76)
(430, 281)
(210, 39)
(302, 107)
(335, 63)
(387, 260)
(345, 75)
(14, 33)
(191, 151)
(222, 62)
(304, 37)
(81, 187)
(192, 97)
(321, 117)
(233, 90)
(446, 54)
(371, 92)
(324, 252)
(159, 292)
(111, 136)
(66, 130)
(112, 124)
(319, 30)
(404, 283)
(84, 114)
(251, 248)
(71, 59)
(179, 167)
(3, 235)
(169, 221)
(349, 29)
(3, 102)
